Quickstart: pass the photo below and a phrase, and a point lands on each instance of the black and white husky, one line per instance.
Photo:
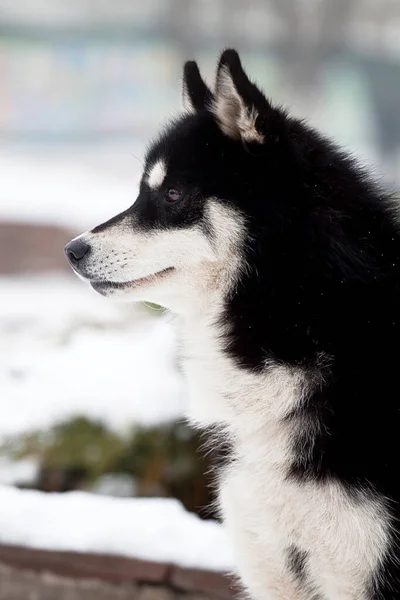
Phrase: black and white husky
(281, 260)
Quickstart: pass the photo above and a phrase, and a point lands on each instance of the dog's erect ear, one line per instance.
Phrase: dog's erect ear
(195, 93)
(240, 108)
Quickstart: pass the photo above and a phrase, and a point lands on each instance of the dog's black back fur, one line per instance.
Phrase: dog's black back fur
(329, 276)
(329, 271)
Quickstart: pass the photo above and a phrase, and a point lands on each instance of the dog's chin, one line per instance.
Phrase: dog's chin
(127, 289)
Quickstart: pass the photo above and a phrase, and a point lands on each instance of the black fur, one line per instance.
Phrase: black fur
(297, 563)
(297, 566)
(199, 94)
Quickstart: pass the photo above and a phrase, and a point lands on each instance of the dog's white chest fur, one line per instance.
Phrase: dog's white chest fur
(292, 540)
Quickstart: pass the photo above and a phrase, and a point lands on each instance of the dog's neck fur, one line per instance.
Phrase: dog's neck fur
(220, 392)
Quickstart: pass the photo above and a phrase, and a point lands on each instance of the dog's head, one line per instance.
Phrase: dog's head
(185, 235)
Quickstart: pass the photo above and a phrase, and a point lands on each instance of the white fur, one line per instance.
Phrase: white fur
(264, 511)
(156, 174)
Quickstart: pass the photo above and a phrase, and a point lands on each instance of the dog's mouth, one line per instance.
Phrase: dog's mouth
(103, 286)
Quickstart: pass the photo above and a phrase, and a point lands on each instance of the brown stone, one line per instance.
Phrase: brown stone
(32, 248)
(191, 596)
(151, 592)
(153, 580)
(209, 583)
(25, 585)
(76, 565)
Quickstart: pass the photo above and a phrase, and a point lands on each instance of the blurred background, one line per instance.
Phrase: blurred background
(91, 397)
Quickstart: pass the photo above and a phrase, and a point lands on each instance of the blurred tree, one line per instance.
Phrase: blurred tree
(162, 461)
(77, 445)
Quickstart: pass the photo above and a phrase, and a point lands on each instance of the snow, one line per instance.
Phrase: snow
(16, 472)
(66, 351)
(79, 187)
(151, 529)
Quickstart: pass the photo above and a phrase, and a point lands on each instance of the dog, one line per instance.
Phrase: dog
(280, 258)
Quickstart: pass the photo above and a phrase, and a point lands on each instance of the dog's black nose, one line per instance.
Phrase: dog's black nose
(76, 250)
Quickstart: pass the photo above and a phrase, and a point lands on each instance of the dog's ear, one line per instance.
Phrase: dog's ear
(240, 108)
(195, 93)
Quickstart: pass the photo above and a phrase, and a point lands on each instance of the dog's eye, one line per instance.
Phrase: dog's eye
(173, 195)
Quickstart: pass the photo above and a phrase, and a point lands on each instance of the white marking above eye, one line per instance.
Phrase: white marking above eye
(156, 174)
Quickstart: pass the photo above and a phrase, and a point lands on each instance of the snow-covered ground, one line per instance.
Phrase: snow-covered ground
(151, 529)
(66, 351)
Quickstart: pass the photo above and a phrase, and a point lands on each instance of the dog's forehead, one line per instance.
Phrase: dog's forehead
(183, 146)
